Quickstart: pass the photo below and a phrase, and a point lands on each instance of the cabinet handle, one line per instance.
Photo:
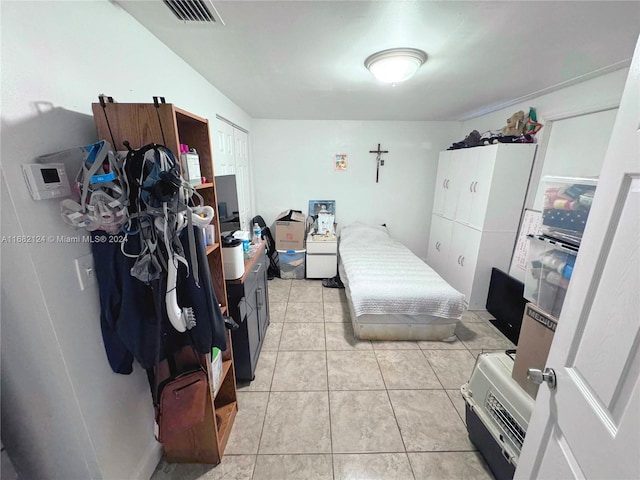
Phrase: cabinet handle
(475, 184)
(462, 261)
(459, 259)
(447, 183)
(471, 187)
(258, 268)
(438, 246)
(259, 297)
(444, 183)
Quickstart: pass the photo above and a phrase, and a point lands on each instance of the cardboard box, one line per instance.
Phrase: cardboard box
(290, 233)
(536, 335)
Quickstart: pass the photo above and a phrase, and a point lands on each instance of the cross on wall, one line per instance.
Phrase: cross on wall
(379, 161)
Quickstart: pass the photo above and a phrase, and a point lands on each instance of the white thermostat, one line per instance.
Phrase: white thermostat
(46, 180)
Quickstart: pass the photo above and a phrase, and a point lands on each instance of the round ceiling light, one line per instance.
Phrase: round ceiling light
(395, 64)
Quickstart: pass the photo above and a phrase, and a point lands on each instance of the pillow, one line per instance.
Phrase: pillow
(359, 232)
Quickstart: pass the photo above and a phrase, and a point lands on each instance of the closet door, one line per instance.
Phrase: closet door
(441, 182)
(485, 162)
(439, 243)
(465, 167)
(463, 256)
(223, 149)
(452, 184)
(242, 177)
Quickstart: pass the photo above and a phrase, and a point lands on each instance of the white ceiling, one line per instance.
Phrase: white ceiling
(304, 59)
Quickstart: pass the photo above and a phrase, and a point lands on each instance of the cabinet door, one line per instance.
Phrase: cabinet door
(441, 182)
(439, 244)
(452, 185)
(481, 186)
(465, 164)
(262, 296)
(463, 257)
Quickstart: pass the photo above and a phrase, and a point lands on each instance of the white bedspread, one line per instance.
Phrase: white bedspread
(384, 276)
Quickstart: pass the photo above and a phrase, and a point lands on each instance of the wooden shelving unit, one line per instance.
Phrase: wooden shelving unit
(165, 124)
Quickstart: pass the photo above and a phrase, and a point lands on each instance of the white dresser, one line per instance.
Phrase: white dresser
(322, 256)
(479, 197)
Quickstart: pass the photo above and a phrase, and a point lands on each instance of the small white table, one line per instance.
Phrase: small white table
(322, 256)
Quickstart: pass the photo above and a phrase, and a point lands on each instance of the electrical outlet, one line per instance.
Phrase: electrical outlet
(86, 272)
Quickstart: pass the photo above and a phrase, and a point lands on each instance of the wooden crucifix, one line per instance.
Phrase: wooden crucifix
(380, 161)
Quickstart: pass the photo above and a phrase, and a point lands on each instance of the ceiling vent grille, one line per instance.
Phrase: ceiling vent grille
(194, 11)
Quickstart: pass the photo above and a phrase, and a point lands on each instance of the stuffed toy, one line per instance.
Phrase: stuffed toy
(515, 125)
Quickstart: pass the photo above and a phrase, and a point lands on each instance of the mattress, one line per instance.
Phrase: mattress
(393, 294)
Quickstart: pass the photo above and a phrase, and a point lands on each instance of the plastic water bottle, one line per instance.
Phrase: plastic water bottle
(257, 234)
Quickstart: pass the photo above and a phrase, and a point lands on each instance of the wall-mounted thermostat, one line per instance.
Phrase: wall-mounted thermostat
(46, 180)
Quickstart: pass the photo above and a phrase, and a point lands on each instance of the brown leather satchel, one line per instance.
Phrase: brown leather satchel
(182, 403)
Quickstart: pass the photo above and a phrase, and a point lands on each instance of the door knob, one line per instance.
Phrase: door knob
(537, 377)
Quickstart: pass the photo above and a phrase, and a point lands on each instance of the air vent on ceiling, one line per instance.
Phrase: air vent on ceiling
(194, 10)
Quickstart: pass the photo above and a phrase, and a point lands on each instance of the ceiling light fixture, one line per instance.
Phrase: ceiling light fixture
(395, 64)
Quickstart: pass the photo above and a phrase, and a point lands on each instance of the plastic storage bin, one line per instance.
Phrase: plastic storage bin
(567, 202)
(549, 269)
(497, 411)
(292, 263)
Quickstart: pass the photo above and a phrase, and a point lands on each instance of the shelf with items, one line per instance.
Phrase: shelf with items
(141, 124)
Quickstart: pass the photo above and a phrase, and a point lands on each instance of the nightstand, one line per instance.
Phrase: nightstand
(322, 256)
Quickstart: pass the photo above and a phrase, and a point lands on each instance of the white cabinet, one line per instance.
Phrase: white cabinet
(479, 197)
(322, 257)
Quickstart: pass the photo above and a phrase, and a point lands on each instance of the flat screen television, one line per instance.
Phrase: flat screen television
(227, 191)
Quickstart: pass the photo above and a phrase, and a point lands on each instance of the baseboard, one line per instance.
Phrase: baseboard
(149, 461)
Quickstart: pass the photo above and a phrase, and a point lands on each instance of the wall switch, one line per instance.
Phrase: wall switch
(86, 272)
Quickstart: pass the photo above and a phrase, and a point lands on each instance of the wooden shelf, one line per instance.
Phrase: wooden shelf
(226, 365)
(140, 124)
(226, 415)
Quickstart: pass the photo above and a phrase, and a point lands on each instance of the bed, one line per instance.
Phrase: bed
(392, 294)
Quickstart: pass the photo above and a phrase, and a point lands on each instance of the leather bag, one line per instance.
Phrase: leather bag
(182, 403)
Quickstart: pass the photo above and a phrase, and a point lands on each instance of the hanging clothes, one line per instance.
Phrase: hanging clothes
(132, 311)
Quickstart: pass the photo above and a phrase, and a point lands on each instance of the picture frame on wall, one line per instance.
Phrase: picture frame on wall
(341, 161)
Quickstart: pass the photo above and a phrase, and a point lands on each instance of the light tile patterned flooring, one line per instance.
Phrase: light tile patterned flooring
(325, 405)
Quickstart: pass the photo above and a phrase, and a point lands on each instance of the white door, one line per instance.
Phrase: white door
(451, 187)
(481, 186)
(465, 167)
(223, 148)
(589, 425)
(242, 178)
(463, 256)
(441, 182)
(439, 240)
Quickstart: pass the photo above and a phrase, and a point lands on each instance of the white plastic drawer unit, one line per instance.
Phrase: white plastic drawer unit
(322, 247)
(322, 257)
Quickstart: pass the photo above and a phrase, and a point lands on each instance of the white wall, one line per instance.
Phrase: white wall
(293, 162)
(64, 413)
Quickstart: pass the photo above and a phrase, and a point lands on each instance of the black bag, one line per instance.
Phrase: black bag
(274, 261)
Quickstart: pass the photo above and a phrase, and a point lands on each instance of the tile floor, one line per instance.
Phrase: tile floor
(325, 405)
